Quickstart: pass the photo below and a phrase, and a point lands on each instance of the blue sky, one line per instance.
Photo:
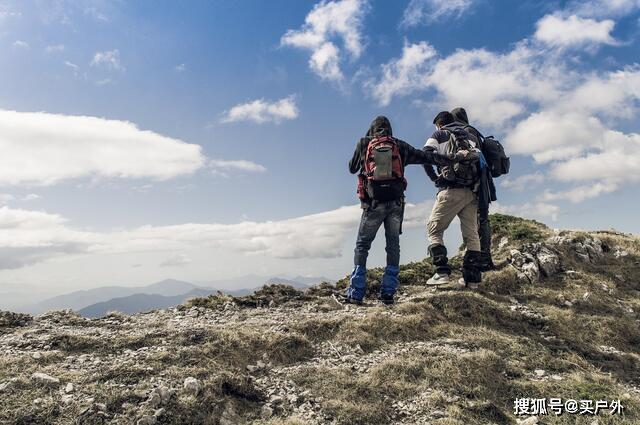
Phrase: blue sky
(152, 139)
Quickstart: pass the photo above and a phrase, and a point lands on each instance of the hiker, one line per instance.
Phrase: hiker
(486, 193)
(380, 158)
(456, 197)
(498, 164)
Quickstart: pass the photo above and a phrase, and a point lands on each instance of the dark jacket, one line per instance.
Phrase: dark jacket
(409, 155)
(487, 189)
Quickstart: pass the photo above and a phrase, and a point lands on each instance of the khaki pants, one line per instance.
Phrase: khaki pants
(449, 204)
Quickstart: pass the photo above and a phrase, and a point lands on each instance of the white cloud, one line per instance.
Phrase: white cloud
(72, 65)
(520, 183)
(615, 163)
(180, 68)
(571, 31)
(31, 197)
(499, 85)
(328, 21)
(29, 237)
(403, 75)
(178, 260)
(55, 48)
(5, 198)
(42, 149)
(429, 11)
(550, 135)
(19, 44)
(533, 210)
(110, 59)
(604, 8)
(225, 167)
(261, 111)
(580, 193)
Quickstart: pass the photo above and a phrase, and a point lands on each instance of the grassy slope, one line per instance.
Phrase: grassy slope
(442, 357)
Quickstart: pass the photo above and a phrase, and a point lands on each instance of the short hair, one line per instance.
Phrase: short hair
(443, 118)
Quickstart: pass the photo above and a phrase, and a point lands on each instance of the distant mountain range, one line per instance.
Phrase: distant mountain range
(97, 302)
(137, 303)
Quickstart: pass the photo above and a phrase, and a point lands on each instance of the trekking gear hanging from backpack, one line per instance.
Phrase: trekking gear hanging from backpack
(466, 172)
(384, 170)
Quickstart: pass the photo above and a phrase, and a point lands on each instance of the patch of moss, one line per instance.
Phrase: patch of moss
(517, 228)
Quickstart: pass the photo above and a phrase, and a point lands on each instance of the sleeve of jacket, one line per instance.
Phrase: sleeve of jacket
(355, 165)
(428, 168)
(426, 156)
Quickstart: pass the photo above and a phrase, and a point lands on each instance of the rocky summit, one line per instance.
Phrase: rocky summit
(559, 318)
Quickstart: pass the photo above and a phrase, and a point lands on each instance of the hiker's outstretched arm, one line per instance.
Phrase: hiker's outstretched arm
(356, 161)
(417, 156)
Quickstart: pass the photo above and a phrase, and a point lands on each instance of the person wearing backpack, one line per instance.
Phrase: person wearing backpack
(457, 185)
(379, 159)
(498, 164)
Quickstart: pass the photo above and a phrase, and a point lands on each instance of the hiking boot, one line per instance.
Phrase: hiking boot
(345, 299)
(438, 279)
(386, 299)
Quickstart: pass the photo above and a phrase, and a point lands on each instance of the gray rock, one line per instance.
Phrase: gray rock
(266, 412)
(192, 386)
(531, 271)
(69, 388)
(147, 420)
(620, 253)
(548, 261)
(160, 396)
(529, 421)
(43, 378)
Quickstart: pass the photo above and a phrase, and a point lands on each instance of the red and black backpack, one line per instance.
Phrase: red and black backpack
(383, 178)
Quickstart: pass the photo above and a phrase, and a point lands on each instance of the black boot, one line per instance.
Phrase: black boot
(439, 258)
(470, 268)
(485, 262)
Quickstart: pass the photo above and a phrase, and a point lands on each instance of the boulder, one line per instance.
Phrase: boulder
(548, 261)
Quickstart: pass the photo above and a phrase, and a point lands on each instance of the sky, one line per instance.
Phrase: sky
(144, 140)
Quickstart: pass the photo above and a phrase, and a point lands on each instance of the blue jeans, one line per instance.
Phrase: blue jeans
(389, 213)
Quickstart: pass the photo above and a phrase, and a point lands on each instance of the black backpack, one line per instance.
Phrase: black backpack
(493, 151)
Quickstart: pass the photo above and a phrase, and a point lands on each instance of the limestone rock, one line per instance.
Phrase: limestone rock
(192, 386)
(43, 378)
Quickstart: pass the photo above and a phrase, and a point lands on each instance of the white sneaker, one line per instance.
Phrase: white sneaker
(438, 279)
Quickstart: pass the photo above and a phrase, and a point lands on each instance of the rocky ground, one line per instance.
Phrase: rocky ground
(560, 318)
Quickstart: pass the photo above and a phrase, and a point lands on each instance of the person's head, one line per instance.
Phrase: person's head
(380, 126)
(443, 118)
(460, 115)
